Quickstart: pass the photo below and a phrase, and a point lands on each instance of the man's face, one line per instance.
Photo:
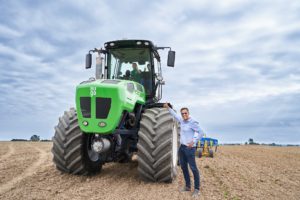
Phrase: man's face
(185, 114)
(134, 66)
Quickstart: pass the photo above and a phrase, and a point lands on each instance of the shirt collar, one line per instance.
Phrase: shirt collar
(188, 120)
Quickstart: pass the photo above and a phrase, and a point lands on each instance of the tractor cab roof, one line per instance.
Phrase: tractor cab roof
(116, 44)
(128, 44)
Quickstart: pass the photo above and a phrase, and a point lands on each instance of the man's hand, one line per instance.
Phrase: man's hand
(166, 105)
(191, 144)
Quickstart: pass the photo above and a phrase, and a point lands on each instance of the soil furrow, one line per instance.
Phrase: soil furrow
(29, 171)
(10, 151)
(236, 172)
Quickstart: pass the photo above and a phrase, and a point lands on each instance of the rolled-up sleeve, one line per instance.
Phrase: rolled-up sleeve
(195, 127)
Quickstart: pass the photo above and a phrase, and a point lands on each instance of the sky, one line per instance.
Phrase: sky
(237, 62)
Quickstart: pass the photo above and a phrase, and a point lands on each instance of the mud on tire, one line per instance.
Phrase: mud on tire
(71, 147)
(157, 146)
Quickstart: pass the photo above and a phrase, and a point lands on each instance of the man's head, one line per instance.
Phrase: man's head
(134, 66)
(185, 113)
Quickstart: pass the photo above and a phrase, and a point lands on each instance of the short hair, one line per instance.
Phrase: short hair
(184, 108)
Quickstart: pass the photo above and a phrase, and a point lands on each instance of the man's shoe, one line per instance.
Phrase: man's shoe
(196, 193)
(185, 189)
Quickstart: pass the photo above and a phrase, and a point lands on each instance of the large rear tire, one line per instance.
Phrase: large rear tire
(157, 146)
(71, 149)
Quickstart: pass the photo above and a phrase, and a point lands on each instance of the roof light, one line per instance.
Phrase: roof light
(138, 42)
(112, 44)
(146, 43)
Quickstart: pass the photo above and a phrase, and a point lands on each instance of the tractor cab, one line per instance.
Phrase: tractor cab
(136, 60)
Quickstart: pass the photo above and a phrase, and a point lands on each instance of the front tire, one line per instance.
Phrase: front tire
(71, 149)
(157, 146)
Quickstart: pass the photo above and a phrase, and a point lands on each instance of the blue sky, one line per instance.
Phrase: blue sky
(237, 62)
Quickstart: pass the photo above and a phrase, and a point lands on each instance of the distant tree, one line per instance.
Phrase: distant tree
(45, 140)
(246, 143)
(14, 140)
(35, 138)
(251, 141)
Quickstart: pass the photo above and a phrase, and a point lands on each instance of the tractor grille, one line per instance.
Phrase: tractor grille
(102, 107)
(85, 106)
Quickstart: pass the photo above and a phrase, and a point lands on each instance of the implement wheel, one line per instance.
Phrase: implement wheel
(211, 153)
(200, 153)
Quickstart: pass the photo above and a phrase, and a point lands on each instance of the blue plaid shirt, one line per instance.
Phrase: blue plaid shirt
(189, 129)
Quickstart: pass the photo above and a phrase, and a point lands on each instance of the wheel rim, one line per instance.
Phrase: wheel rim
(93, 156)
(174, 147)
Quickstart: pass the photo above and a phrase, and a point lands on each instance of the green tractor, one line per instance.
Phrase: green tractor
(118, 113)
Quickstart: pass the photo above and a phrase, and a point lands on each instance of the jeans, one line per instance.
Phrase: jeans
(187, 156)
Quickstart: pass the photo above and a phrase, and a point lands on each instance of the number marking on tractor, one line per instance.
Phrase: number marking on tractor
(93, 91)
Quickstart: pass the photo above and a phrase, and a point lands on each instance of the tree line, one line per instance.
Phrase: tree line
(33, 138)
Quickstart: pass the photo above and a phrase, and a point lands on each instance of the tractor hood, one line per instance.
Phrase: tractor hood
(101, 103)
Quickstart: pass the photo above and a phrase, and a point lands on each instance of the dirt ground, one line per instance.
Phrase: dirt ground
(236, 172)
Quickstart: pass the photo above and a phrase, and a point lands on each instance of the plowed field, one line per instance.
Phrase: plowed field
(236, 172)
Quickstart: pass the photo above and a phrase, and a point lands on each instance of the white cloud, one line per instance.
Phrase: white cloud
(227, 52)
(7, 32)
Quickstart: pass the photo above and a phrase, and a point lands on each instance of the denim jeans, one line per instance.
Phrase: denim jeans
(187, 156)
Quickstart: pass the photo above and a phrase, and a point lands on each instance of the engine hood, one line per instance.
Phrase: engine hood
(101, 103)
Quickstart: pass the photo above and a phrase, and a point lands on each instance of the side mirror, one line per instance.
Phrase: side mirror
(88, 61)
(171, 58)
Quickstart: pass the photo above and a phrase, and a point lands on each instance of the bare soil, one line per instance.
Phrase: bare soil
(236, 172)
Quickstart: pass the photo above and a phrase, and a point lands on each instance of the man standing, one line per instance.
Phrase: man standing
(190, 133)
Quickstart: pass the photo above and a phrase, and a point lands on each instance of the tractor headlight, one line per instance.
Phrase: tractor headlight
(85, 123)
(102, 124)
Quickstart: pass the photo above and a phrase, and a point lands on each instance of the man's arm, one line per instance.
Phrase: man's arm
(195, 127)
(172, 112)
(198, 133)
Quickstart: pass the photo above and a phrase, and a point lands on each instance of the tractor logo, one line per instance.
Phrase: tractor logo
(93, 91)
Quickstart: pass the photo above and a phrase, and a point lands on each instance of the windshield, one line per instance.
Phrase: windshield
(131, 64)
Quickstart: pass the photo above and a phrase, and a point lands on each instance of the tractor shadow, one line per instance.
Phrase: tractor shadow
(121, 171)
